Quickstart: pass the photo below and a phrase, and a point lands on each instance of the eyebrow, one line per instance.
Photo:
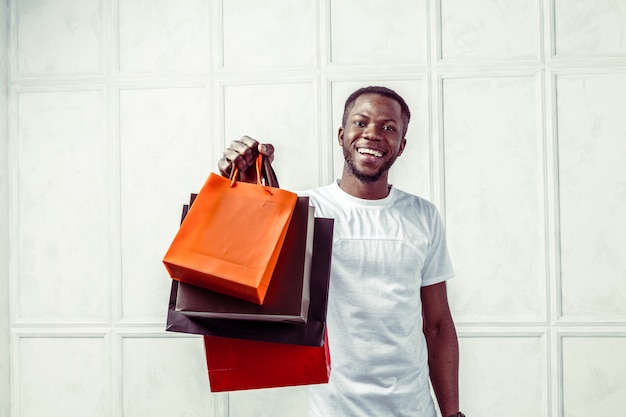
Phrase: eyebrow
(368, 117)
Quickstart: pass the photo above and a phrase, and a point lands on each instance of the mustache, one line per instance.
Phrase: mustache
(365, 178)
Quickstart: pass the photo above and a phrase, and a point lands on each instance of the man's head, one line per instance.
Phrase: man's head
(372, 135)
(382, 91)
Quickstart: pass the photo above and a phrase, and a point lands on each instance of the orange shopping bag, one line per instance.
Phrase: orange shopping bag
(231, 237)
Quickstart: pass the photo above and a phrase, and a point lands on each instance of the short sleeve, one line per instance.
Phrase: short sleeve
(437, 265)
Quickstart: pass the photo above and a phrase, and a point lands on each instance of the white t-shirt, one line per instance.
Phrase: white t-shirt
(384, 251)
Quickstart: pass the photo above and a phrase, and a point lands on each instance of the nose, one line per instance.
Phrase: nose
(371, 132)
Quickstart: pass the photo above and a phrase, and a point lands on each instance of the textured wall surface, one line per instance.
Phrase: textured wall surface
(5, 355)
(118, 109)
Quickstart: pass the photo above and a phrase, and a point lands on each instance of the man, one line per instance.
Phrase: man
(388, 317)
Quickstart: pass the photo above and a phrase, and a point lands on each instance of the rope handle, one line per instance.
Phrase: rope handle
(265, 175)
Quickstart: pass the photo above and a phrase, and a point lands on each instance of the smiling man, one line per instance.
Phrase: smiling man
(372, 137)
(389, 323)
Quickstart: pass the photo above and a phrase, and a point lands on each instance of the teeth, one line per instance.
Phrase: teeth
(371, 152)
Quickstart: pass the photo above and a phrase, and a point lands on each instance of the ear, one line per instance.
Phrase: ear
(402, 145)
(340, 136)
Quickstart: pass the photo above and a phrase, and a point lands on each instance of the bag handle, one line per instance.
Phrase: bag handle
(268, 173)
(265, 174)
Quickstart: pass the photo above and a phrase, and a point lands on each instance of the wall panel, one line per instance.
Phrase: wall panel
(490, 30)
(164, 156)
(61, 374)
(262, 34)
(494, 196)
(5, 348)
(366, 33)
(163, 376)
(511, 363)
(584, 28)
(593, 369)
(281, 113)
(272, 402)
(58, 38)
(62, 198)
(162, 36)
(591, 151)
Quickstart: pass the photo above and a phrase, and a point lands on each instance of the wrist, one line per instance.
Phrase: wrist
(459, 414)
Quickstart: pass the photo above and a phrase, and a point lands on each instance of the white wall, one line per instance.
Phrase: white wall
(117, 109)
(5, 363)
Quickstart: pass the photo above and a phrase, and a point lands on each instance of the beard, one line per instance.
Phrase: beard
(366, 178)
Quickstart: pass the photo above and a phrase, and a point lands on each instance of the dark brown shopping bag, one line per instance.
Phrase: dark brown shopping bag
(238, 364)
(231, 237)
(288, 295)
(310, 334)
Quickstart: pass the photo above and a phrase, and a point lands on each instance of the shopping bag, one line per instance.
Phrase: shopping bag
(288, 294)
(309, 334)
(231, 237)
(237, 364)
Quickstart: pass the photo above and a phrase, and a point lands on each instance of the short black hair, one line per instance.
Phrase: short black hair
(405, 113)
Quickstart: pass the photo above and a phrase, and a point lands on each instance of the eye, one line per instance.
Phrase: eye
(389, 128)
(359, 123)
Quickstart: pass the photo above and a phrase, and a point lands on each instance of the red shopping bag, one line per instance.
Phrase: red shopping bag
(231, 237)
(239, 364)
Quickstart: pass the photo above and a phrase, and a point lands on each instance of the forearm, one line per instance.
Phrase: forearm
(443, 361)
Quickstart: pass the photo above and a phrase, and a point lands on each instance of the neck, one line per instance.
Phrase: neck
(375, 190)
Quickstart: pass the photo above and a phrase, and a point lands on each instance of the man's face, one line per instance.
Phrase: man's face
(372, 138)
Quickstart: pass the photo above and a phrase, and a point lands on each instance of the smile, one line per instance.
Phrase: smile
(369, 151)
